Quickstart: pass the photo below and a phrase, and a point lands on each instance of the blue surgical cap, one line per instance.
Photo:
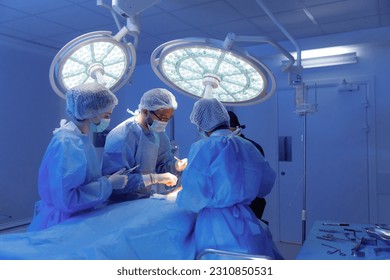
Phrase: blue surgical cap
(208, 114)
(89, 100)
(157, 98)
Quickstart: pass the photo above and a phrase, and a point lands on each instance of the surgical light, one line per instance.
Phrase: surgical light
(202, 67)
(92, 57)
(100, 56)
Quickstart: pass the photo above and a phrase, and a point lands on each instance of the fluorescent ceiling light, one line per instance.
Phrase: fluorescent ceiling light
(329, 60)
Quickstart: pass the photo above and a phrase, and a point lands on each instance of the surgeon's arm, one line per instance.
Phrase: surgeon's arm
(116, 160)
(165, 160)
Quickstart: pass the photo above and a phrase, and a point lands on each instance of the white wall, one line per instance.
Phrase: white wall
(373, 48)
(29, 111)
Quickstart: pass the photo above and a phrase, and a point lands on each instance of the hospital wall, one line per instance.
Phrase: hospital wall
(31, 111)
(371, 74)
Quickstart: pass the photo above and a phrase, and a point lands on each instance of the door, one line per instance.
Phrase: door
(327, 172)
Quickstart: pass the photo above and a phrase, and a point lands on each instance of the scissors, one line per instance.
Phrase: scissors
(128, 171)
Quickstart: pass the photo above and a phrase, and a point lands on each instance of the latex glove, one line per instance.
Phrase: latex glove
(164, 178)
(181, 164)
(118, 180)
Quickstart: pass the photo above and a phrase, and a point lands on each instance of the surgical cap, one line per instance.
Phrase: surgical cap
(208, 114)
(157, 98)
(89, 100)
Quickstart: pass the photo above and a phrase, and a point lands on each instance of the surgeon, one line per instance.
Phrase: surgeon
(224, 174)
(70, 179)
(141, 146)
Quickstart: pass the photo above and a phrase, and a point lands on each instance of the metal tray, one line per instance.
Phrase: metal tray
(379, 233)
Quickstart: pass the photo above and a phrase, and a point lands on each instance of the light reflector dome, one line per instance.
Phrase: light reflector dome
(203, 68)
(92, 57)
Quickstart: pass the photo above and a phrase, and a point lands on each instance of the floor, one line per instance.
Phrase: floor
(288, 250)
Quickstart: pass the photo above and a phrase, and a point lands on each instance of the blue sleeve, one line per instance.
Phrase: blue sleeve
(195, 195)
(119, 152)
(64, 178)
(165, 161)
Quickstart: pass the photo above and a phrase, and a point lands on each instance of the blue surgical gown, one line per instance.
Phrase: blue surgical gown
(129, 145)
(224, 174)
(70, 179)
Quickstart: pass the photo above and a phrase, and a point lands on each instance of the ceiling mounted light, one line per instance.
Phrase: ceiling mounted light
(100, 56)
(92, 57)
(204, 68)
(201, 67)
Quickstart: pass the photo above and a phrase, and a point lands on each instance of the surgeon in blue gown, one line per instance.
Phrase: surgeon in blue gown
(141, 146)
(224, 174)
(70, 179)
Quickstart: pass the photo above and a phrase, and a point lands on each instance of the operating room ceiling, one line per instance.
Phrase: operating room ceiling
(53, 23)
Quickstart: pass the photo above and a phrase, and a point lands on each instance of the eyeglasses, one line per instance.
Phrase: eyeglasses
(161, 118)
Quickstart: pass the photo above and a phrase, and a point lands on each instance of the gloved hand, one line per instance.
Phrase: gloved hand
(181, 164)
(164, 178)
(118, 180)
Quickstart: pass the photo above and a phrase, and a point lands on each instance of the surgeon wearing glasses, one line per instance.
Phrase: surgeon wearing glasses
(141, 145)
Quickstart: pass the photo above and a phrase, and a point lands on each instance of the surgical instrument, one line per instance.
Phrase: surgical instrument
(335, 251)
(128, 171)
(331, 237)
(356, 250)
(335, 224)
(329, 230)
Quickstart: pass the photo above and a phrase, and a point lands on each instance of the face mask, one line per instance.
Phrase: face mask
(158, 126)
(104, 123)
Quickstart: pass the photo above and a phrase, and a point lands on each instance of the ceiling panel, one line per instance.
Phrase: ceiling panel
(53, 23)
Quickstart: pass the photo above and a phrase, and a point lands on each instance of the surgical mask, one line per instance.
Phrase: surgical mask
(104, 123)
(158, 126)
